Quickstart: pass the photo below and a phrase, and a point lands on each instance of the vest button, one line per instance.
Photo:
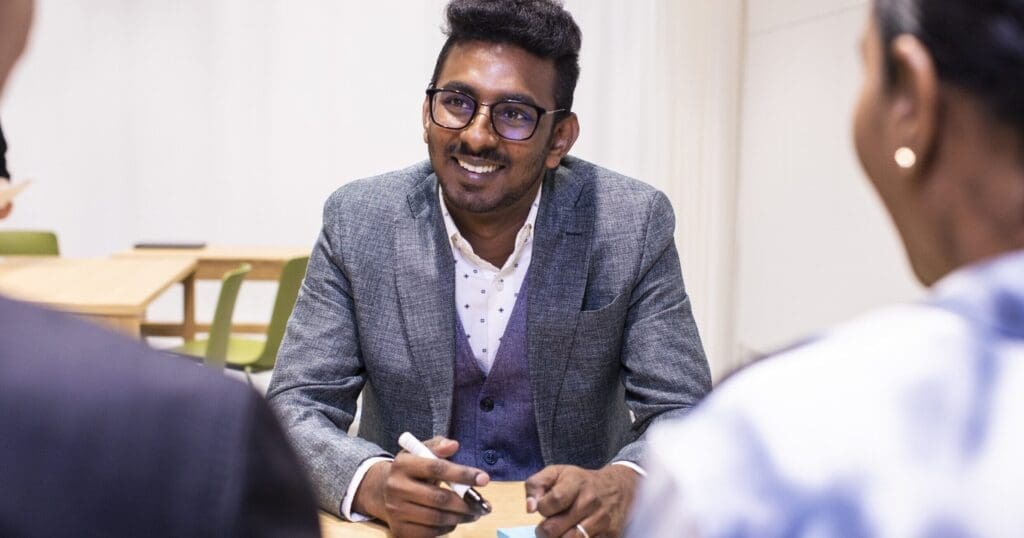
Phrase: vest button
(490, 457)
(487, 404)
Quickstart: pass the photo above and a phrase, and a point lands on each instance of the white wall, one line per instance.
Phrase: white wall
(815, 245)
(230, 121)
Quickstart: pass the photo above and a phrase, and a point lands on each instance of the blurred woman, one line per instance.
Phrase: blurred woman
(908, 421)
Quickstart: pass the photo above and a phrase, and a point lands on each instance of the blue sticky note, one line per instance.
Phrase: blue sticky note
(518, 532)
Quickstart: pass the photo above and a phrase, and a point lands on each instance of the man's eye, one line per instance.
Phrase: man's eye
(516, 115)
(457, 102)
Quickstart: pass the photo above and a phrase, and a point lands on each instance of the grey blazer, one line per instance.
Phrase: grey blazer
(609, 323)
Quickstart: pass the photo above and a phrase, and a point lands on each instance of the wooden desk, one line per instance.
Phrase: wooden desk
(508, 499)
(113, 292)
(212, 263)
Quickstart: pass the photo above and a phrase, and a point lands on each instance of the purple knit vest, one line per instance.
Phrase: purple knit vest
(492, 415)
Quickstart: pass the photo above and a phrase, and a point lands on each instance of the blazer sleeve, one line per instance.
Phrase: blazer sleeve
(320, 373)
(664, 370)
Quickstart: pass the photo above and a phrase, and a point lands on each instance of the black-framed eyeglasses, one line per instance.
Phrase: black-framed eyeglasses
(512, 120)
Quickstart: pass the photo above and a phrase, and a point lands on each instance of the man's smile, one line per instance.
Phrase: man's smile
(477, 167)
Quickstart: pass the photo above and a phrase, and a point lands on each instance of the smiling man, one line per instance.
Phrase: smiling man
(508, 301)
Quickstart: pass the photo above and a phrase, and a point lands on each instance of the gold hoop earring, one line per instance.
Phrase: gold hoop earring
(905, 158)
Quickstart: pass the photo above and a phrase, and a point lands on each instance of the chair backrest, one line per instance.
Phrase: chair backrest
(287, 293)
(220, 327)
(28, 243)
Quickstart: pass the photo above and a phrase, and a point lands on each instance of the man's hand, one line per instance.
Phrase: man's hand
(566, 495)
(405, 493)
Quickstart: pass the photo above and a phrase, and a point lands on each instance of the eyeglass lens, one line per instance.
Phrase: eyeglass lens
(511, 120)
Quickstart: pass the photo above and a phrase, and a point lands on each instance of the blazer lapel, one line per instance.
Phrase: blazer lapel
(557, 280)
(424, 279)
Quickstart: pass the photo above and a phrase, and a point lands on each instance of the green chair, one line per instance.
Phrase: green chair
(25, 243)
(254, 356)
(214, 349)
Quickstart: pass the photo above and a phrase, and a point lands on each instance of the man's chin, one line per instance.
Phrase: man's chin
(470, 203)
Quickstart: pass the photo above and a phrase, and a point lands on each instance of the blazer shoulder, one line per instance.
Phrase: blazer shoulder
(619, 200)
(377, 197)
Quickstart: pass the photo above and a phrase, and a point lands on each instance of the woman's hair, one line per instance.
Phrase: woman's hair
(977, 45)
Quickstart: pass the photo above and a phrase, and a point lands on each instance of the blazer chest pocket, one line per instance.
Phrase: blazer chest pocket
(600, 330)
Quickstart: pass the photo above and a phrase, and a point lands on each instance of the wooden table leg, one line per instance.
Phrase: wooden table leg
(188, 325)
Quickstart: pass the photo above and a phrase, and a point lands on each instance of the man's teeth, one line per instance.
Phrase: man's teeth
(478, 169)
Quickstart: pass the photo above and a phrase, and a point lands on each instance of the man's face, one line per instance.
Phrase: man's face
(479, 171)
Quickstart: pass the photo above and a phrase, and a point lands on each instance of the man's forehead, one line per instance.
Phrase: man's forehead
(498, 70)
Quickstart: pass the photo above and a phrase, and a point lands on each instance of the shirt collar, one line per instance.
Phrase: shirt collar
(461, 246)
(989, 292)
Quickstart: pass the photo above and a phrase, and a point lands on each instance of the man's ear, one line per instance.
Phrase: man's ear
(562, 139)
(914, 114)
(426, 117)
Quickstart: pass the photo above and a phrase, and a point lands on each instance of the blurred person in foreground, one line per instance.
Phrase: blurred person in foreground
(907, 421)
(5, 175)
(101, 436)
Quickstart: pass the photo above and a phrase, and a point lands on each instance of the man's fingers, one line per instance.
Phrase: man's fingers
(430, 496)
(563, 525)
(596, 525)
(442, 447)
(561, 496)
(430, 517)
(413, 530)
(438, 470)
(585, 511)
(539, 484)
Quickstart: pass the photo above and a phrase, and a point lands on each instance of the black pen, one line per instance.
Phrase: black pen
(472, 497)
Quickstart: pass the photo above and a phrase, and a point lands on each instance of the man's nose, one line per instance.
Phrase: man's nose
(479, 134)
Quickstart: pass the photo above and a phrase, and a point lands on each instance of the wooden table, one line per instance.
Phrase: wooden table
(508, 499)
(212, 263)
(113, 292)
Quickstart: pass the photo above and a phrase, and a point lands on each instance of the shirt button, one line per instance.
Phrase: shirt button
(490, 457)
(487, 404)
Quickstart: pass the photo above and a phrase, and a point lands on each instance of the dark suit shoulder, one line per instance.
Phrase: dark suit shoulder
(97, 422)
(46, 349)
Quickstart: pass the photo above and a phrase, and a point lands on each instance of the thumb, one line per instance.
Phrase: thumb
(442, 447)
(539, 484)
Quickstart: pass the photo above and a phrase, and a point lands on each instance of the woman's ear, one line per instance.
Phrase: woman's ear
(914, 117)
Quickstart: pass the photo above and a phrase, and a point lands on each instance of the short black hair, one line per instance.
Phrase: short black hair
(541, 27)
(977, 45)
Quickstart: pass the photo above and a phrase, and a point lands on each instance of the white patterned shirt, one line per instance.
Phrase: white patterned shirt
(484, 294)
